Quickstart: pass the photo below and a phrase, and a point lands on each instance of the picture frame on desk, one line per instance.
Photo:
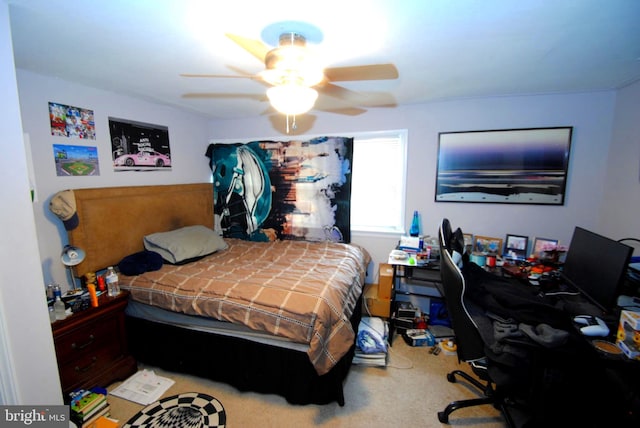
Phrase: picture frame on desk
(541, 245)
(515, 247)
(487, 245)
(468, 242)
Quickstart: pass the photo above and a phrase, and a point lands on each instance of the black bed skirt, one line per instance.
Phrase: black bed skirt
(246, 365)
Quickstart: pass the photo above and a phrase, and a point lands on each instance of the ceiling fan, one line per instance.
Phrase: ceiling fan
(294, 75)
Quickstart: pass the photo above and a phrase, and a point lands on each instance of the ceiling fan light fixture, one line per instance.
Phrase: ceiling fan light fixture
(287, 64)
(292, 99)
(307, 76)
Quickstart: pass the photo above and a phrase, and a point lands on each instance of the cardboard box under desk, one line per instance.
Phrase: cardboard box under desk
(385, 281)
(376, 306)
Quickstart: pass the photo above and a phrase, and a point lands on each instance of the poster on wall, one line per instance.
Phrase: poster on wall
(69, 121)
(514, 166)
(138, 146)
(75, 160)
(270, 190)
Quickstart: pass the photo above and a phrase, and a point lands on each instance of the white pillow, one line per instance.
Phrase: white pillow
(185, 244)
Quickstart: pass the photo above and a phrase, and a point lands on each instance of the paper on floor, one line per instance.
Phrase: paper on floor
(144, 387)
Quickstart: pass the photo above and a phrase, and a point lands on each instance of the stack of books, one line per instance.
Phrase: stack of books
(87, 407)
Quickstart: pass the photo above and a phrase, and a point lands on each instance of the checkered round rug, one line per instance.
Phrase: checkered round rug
(189, 410)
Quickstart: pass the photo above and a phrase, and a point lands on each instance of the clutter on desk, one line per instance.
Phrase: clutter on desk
(631, 303)
(606, 347)
(628, 335)
(415, 251)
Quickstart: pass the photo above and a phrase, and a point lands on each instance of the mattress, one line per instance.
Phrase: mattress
(302, 291)
(209, 325)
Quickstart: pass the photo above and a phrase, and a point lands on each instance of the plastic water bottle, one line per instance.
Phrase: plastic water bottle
(57, 292)
(58, 307)
(113, 287)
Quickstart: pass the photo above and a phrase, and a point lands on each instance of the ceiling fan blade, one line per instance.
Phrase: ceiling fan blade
(348, 111)
(341, 93)
(254, 47)
(362, 72)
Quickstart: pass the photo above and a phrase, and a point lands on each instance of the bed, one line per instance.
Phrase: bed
(218, 316)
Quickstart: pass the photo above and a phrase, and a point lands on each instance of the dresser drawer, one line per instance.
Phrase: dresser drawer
(86, 364)
(88, 339)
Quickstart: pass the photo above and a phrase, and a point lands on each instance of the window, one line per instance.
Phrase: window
(378, 182)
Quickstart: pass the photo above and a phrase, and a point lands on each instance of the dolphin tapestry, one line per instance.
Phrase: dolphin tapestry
(269, 190)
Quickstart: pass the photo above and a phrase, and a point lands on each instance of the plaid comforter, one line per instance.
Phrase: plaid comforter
(304, 291)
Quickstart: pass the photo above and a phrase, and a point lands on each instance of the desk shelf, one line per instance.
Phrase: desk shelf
(410, 283)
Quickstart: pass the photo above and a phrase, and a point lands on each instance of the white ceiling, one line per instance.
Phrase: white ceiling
(443, 49)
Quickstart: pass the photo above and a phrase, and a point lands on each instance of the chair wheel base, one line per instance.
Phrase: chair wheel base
(443, 418)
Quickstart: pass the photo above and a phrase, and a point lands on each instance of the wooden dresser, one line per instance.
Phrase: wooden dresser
(91, 346)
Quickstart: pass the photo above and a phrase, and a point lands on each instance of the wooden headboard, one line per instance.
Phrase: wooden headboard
(113, 220)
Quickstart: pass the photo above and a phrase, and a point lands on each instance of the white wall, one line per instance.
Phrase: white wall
(188, 138)
(28, 371)
(620, 209)
(591, 115)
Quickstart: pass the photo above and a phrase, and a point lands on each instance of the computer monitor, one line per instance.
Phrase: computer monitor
(596, 266)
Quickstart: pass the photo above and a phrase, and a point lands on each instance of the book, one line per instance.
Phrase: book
(92, 422)
(90, 414)
(87, 401)
(88, 404)
(105, 422)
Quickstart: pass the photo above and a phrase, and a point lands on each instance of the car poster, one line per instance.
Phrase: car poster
(69, 121)
(76, 160)
(138, 146)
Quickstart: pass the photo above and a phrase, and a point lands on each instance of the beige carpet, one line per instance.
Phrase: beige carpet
(407, 393)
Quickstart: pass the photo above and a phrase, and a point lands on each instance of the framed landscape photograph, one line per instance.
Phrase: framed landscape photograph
(515, 247)
(487, 245)
(514, 166)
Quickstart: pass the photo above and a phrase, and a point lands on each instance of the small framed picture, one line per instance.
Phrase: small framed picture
(543, 244)
(468, 242)
(515, 247)
(487, 245)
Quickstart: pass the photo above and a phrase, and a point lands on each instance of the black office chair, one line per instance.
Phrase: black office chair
(470, 346)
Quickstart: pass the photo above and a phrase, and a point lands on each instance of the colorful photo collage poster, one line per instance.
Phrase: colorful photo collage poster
(69, 121)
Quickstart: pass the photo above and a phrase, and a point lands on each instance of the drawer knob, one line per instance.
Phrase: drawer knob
(88, 366)
(84, 345)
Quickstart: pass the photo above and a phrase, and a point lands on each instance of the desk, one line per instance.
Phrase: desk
(565, 381)
(410, 281)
